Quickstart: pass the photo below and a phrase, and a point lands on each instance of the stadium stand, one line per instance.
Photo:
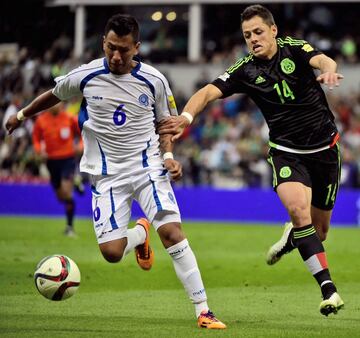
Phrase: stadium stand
(226, 147)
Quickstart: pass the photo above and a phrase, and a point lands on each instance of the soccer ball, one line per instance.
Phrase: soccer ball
(57, 277)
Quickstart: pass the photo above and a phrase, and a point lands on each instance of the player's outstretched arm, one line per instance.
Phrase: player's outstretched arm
(173, 167)
(42, 102)
(327, 67)
(175, 125)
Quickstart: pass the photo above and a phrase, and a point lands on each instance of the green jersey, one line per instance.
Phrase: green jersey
(286, 91)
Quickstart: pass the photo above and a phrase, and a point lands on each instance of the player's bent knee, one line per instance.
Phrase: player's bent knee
(299, 212)
(113, 251)
(171, 234)
(112, 256)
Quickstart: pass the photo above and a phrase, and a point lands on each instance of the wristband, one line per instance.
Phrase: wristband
(168, 155)
(20, 115)
(188, 116)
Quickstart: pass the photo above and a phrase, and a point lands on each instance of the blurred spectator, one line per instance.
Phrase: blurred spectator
(54, 137)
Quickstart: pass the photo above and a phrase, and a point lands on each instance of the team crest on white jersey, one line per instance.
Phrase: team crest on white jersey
(144, 100)
(171, 197)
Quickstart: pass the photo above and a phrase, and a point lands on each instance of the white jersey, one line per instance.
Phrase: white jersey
(118, 114)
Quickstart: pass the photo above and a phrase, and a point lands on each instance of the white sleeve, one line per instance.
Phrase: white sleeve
(164, 102)
(68, 86)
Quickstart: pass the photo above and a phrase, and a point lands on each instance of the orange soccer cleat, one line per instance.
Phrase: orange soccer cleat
(208, 320)
(143, 252)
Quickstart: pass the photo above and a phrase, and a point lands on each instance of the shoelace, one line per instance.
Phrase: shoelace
(210, 315)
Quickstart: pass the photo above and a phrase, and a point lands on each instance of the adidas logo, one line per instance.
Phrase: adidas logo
(259, 80)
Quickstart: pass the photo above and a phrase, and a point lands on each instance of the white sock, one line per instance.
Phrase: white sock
(135, 237)
(187, 270)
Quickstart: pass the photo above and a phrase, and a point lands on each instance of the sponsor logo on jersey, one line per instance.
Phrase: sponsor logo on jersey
(95, 97)
(287, 66)
(285, 172)
(307, 48)
(172, 102)
(259, 80)
(224, 76)
(144, 100)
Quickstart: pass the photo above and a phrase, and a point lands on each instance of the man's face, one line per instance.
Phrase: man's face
(119, 52)
(260, 38)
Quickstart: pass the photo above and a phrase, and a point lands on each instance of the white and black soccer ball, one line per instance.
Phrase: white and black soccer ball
(57, 277)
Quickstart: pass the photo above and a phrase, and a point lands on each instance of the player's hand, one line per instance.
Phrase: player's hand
(12, 123)
(330, 79)
(174, 168)
(173, 125)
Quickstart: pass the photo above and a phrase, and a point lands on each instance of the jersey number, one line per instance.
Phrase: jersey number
(119, 116)
(331, 194)
(284, 91)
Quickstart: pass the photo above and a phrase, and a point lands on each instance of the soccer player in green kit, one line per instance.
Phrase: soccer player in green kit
(278, 74)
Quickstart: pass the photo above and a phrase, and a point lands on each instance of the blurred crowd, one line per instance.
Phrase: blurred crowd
(227, 145)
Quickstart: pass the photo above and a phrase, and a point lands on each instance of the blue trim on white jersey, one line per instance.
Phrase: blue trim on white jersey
(112, 217)
(83, 114)
(134, 73)
(164, 172)
(90, 76)
(144, 155)
(156, 197)
(106, 66)
(93, 190)
(103, 158)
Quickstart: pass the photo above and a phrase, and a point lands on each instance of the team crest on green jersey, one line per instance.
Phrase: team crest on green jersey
(285, 172)
(287, 66)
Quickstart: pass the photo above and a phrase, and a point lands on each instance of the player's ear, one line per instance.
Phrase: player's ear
(274, 31)
(103, 43)
(137, 46)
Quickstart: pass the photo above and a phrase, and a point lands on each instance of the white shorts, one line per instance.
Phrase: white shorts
(112, 197)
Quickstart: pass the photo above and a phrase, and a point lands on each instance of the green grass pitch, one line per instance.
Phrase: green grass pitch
(121, 300)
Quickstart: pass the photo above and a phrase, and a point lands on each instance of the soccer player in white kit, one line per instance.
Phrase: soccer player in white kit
(123, 100)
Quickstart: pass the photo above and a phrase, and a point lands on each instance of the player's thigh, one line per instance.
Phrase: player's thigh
(295, 196)
(68, 168)
(291, 180)
(325, 174)
(111, 205)
(156, 197)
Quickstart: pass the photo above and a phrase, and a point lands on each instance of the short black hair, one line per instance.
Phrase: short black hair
(258, 10)
(123, 24)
